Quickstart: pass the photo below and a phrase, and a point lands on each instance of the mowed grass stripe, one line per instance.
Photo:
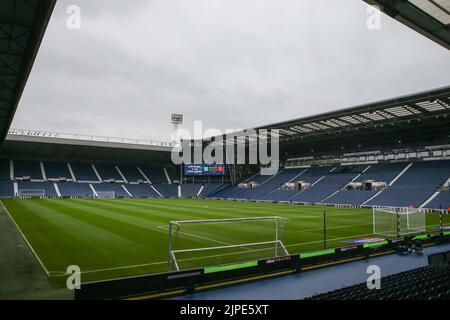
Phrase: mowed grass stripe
(124, 225)
(125, 237)
(79, 240)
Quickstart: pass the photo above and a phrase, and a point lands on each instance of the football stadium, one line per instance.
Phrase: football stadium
(116, 217)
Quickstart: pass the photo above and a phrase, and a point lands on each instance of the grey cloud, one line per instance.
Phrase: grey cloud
(230, 63)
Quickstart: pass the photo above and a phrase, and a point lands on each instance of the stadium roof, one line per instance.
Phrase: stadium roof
(22, 27)
(393, 111)
(427, 104)
(47, 146)
(417, 119)
(431, 18)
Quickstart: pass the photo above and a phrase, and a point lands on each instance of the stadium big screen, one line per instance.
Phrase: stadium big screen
(204, 169)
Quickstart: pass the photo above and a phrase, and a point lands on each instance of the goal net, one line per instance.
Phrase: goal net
(215, 242)
(398, 221)
(31, 193)
(106, 194)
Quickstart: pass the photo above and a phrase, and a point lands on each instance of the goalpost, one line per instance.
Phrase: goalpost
(106, 194)
(398, 221)
(31, 193)
(214, 242)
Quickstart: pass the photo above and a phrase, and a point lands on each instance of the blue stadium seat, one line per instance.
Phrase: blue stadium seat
(56, 170)
(211, 188)
(131, 173)
(73, 189)
(84, 172)
(142, 191)
(4, 170)
(6, 189)
(352, 197)
(331, 182)
(442, 201)
(117, 188)
(108, 172)
(155, 174)
(416, 185)
(190, 190)
(48, 187)
(239, 193)
(167, 190)
(31, 169)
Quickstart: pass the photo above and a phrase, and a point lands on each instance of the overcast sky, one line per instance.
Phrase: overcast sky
(230, 63)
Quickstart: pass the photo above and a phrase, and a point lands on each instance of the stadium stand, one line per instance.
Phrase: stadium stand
(108, 172)
(351, 197)
(272, 183)
(327, 185)
(75, 190)
(311, 175)
(427, 283)
(142, 191)
(173, 174)
(48, 187)
(84, 172)
(4, 170)
(421, 184)
(190, 190)
(238, 193)
(56, 170)
(441, 201)
(210, 188)
(117, 188)
(155, 174)
(23, 168)
(167, 190)
(131, 173)
(380, 173)
(416, 185)
(6, 189)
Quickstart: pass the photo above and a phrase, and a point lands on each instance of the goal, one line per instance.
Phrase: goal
(31, 193)
(215, 242)
(106, 194)
(394, 222)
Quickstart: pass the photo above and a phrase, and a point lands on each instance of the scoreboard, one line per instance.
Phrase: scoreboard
(204, 169)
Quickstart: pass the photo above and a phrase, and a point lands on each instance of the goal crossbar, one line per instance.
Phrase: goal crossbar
(225, 220)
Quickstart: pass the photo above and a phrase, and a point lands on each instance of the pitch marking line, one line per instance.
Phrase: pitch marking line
(26, 240)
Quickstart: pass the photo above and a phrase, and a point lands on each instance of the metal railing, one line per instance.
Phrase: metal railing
(61, 135)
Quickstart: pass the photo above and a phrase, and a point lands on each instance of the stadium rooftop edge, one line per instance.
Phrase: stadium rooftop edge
(430, 18)
(22, 27)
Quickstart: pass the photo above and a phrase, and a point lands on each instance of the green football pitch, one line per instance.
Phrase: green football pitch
(127, 237)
